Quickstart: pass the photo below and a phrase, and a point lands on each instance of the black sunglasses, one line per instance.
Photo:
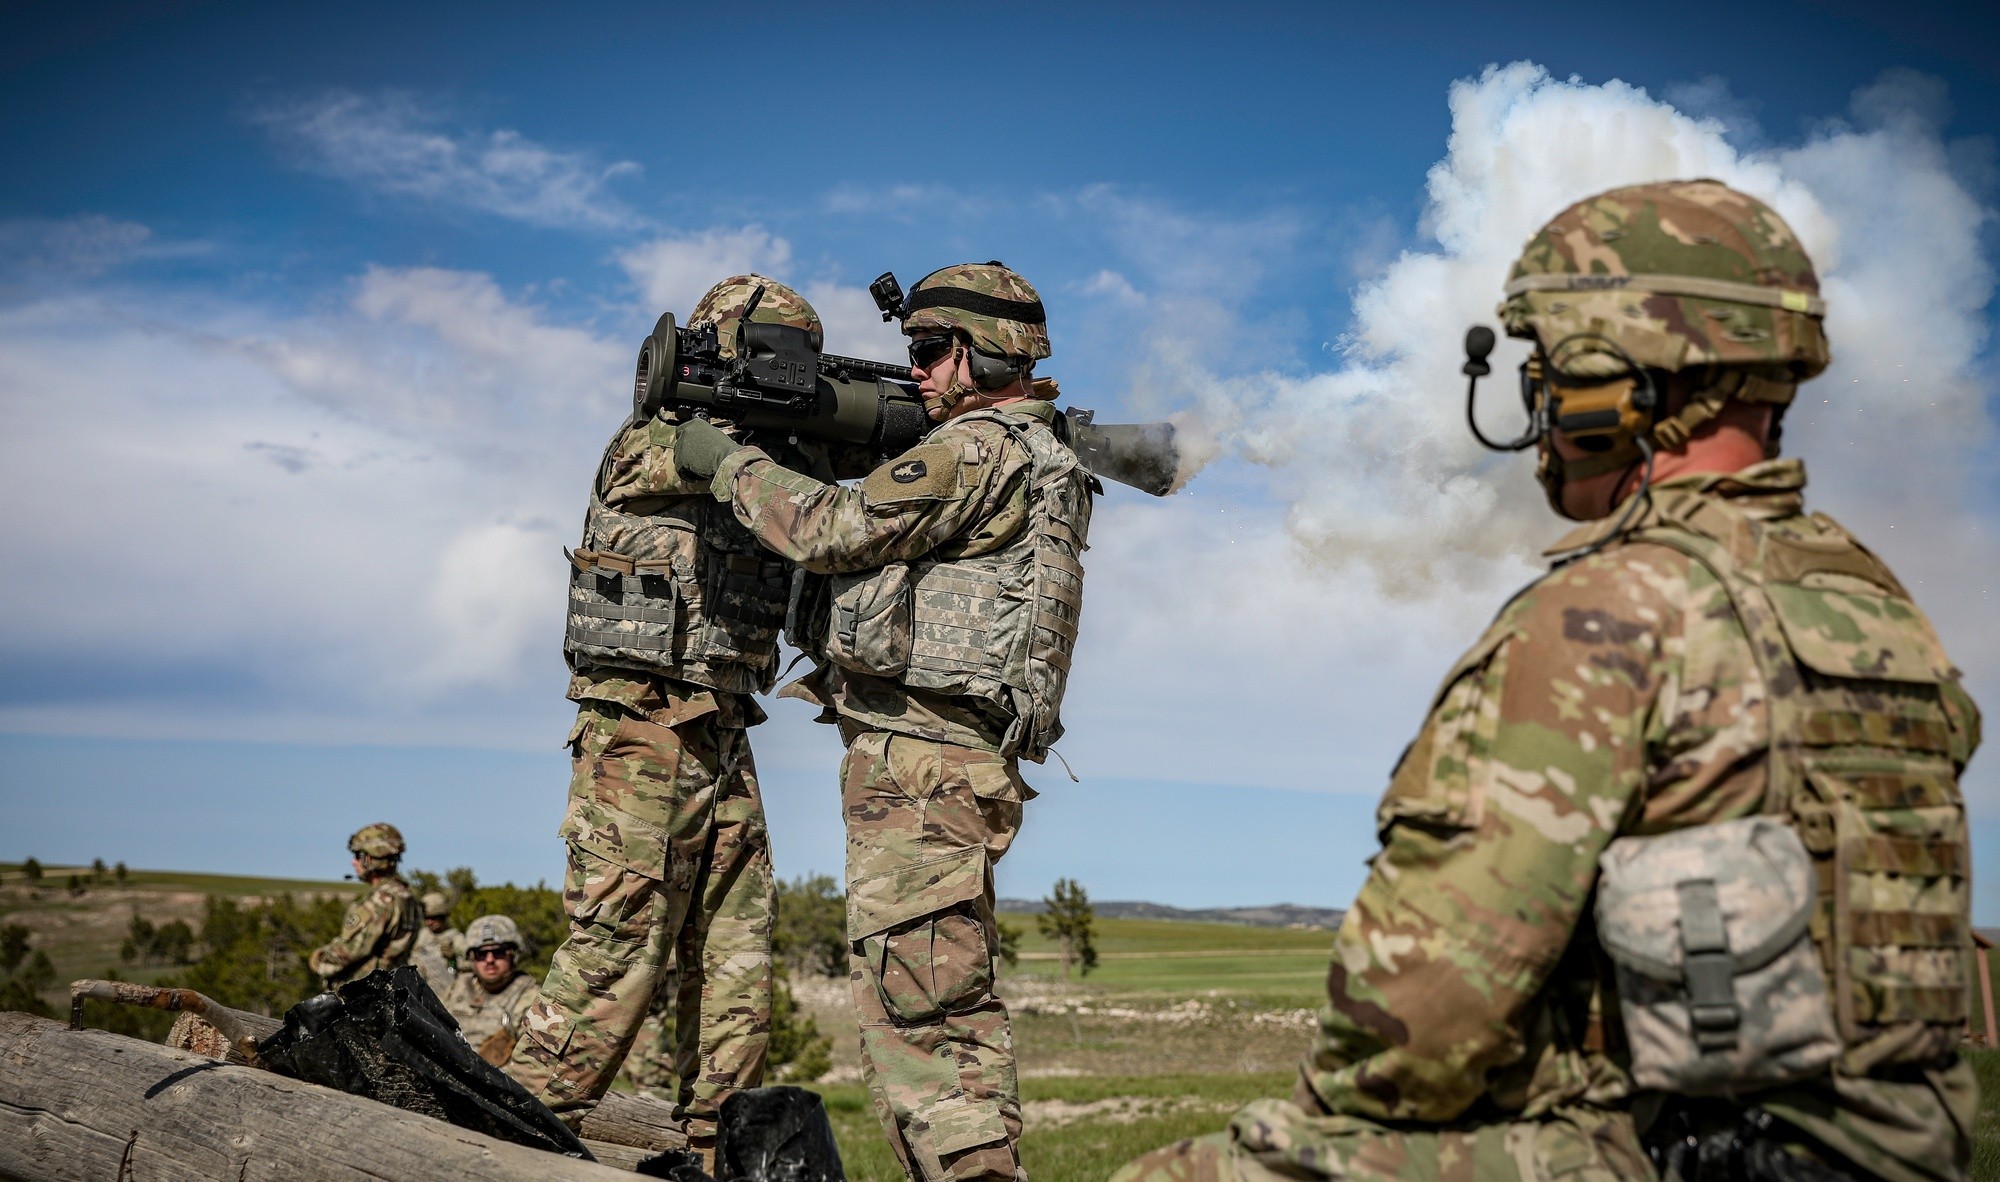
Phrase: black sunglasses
(492, 952)
(926, 351)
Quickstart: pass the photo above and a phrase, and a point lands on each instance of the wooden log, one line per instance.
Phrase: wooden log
(80, 1105)
(641, 1122)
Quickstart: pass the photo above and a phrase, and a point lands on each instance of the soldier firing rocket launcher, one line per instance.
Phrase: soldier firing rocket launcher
(779, 381)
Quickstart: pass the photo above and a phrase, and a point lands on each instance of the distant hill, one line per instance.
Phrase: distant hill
(1277, 915)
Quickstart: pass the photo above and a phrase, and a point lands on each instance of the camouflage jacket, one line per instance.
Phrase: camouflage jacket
(1616, 696)
(436, 954)
(482, 1014)
(970, 506)
(379, 931)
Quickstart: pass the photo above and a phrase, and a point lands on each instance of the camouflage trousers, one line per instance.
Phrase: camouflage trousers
(692, 890)
(925, 824)
(1276, 1141)
(650, 1066)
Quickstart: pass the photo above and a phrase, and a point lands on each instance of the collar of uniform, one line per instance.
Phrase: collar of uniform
(1033, 408)
(1766, 490)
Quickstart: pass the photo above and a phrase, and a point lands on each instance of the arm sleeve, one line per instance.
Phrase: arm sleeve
(360, 930)
(642, 465)
(1527, 766)
(902, 510)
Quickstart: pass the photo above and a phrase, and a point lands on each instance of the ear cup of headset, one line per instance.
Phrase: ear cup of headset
(990, 372)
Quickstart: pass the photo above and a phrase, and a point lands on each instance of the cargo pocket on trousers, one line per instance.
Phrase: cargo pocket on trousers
(547, 1030)
(959, 1125)
(934, 966)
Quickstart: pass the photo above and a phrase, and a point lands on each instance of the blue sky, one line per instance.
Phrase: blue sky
(312, 323)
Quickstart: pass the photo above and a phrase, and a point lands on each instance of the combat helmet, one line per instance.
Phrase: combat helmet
(1664, 278)
(996, 309)
(779, 304)
(380, 840)
(436, 906)
(1670, 276)
(489, 930)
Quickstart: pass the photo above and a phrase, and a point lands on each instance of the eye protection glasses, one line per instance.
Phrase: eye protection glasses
(496, 952)
(928, 351)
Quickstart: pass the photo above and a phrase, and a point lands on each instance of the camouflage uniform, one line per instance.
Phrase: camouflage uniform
(930, 799)
(379, 931)
(1723, 655)
(437, 952)
(669, 857)
(483, 1013)
(650, 1066)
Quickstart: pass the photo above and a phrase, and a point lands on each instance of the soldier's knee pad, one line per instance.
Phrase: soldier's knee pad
(933, 966)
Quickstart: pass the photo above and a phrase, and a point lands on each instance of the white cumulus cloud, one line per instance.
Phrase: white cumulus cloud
(398, 143)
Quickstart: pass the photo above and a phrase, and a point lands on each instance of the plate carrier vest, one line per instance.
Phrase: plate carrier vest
(999, 627)
(684, 591)
(1866, 747)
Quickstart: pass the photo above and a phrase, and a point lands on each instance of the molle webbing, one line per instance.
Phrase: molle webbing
(1860, 763)
(684, 591)
(1002, 626)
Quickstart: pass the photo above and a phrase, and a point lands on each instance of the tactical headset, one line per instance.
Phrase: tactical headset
(1613, 417)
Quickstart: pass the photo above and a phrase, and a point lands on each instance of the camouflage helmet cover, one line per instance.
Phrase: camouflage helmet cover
(436, 906)
(380, 840)
(488, 930)
(1678, 274)
(723, 307)
(1004, 317)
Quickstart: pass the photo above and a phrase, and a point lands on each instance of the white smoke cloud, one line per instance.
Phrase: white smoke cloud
(1372, 457)
(1388, 503)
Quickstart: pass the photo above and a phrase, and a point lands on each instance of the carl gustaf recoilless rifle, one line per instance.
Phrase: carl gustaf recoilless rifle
(780, 382)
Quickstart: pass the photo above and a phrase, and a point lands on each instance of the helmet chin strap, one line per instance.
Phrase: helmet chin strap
(939, 405)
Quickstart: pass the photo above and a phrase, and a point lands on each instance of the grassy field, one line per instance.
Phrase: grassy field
(1180, 1024)
(1272, 966)
(81, 930)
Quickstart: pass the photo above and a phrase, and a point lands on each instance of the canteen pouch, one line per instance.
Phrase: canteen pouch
(1719, 985)
(870, 625)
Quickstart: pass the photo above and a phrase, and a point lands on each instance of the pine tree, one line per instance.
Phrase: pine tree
(1067, 919)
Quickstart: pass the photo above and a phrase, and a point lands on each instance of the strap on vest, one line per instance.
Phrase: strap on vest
(1681, 518)
(1709, 967)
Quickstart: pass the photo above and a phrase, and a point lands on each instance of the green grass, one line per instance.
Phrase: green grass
(1273, 966)
(1167, 1108)
(55, 878)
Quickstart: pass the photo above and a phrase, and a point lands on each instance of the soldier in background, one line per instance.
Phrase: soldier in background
(957, 583)
(380, 928)
(674, 618)
(438, 943)
(491, 996)
(1709, 673)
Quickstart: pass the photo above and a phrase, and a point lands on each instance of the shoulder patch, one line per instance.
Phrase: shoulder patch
(925, 473)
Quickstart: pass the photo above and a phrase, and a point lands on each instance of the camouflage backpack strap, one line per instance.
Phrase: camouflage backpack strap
(1698, 527)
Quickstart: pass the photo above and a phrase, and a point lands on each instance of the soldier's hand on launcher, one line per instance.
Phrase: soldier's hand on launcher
(700, 447)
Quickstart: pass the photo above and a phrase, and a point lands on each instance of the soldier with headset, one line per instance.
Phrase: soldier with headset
(1674, 876)
(379, 930)
(954, 584)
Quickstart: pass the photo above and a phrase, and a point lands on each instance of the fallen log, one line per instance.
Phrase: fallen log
(79, 1105)
(622, 1118)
